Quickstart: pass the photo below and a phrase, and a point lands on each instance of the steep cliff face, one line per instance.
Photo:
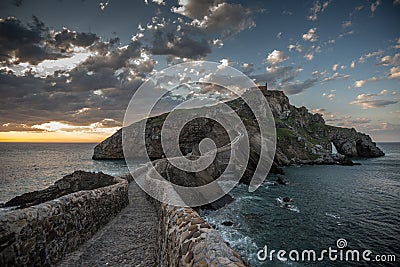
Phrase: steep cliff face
(302, 137)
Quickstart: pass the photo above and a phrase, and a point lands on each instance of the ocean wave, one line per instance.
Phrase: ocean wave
(244, 244)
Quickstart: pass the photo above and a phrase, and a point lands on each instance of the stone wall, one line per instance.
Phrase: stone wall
(185, 239)
(41, 235)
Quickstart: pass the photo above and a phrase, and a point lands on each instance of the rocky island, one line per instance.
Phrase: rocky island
(302, 137)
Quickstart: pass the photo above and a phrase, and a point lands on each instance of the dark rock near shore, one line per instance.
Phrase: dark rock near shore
(77, 181)
(287, 199)
(227, 223)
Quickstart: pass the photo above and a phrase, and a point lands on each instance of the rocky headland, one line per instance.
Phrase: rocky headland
(302, 137)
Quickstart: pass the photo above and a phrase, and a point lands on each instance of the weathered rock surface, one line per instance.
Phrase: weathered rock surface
(302, 137)
(77, 181)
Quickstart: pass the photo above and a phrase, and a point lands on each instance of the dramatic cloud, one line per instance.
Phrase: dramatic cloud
(20, 43)
(317, 8)
(310, 35)
(186, 45)
(195, 9)
(66, 40)
(216, 17)
(276, 57)
(114, 60)
(227, 20)
(34, 43)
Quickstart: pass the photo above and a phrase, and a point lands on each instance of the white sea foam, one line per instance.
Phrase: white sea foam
(332, 215)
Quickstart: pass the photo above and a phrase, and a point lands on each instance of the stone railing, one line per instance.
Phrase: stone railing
(184, 238)
(41, 235)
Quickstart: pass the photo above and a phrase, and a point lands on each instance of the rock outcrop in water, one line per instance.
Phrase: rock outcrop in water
(302, 137)
(77, 181)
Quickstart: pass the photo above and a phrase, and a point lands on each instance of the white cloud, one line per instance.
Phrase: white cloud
(279, 35)
(224, 63)
(369, 55)
(310, 35)
(345, 33)
(359, 83)
(394, 73)
(329, 96)
(334, 67)
(389, 60)
(159, 2)
(365, 96)
(367, 104)
(383, 92)
(353, 64)
(218, 43)
(276, 57)
(309, 56)
(316, 9)
(367, 101)
(346, 24)
(297, 47)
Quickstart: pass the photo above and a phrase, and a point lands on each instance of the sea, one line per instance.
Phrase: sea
(332, 208)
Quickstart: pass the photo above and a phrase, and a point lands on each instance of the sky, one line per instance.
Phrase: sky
(69, 68)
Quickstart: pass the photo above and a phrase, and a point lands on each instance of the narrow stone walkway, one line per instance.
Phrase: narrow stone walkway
(127, 240)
